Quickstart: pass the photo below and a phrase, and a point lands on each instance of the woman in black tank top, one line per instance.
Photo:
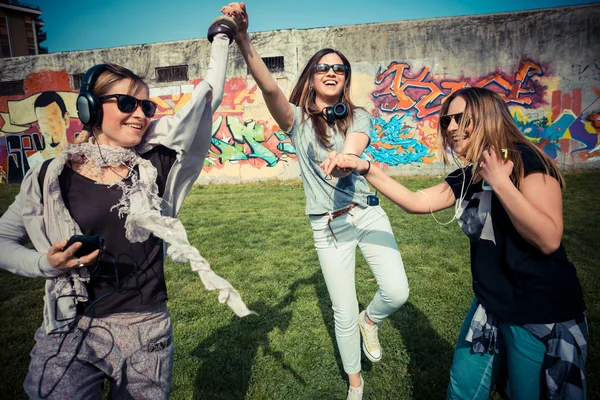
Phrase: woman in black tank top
(526, 321)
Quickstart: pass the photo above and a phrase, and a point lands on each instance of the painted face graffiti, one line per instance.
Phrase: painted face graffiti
(52, 124)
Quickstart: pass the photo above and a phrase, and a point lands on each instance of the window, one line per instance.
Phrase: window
(172, 74)
(4, 39)
(30, 43)
(274, 64)
(76, 81)
(10, 88)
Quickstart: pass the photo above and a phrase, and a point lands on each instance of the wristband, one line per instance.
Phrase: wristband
(368, 169)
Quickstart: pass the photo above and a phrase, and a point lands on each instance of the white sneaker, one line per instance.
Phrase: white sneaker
(356, 393)
(370, 345)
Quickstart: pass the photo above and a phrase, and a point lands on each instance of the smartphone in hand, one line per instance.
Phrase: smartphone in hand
(90, 243)
(484, 185)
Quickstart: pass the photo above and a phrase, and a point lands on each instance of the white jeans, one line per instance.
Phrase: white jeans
(370, 229)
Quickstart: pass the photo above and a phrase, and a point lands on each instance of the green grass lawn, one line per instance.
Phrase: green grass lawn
(257, 237)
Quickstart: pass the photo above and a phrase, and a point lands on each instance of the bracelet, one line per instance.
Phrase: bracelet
(352, 154)
(368, 169)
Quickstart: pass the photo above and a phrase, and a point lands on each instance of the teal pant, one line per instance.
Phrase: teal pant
(519, 360)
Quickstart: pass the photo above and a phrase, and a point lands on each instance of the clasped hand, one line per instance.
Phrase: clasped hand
(238, 12)
(340, 165)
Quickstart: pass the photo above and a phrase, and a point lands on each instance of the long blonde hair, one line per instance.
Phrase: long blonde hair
(107, 78)
(303, 95)
(493, 127)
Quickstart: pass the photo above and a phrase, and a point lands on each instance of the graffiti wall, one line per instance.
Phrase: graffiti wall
(235, 139)
(402, 72)
(406, 104)
(38, 126)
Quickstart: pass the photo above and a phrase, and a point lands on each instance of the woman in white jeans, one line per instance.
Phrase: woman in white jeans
(320, 117)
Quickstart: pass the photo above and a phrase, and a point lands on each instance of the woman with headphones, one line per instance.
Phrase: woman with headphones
(116, 193)
(527, 319)
(320, 117)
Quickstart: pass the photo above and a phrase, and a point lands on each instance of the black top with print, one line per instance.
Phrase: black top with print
(511, 278)
(127, 275)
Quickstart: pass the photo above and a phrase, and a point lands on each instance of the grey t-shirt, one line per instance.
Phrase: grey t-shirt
(324, 195)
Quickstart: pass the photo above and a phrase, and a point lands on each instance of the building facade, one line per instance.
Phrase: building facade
(20, 29)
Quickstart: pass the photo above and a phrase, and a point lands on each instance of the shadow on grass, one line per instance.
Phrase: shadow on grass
(430, 355)
(229, 353)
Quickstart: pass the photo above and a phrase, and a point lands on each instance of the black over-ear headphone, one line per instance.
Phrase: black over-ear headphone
(337, 111)
(89, 106)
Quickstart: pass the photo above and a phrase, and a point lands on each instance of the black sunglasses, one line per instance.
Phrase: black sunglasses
(128, 104)
(447, 119)
(338, 69)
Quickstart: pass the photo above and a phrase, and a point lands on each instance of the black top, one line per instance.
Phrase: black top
(127, 275)
(511, 278)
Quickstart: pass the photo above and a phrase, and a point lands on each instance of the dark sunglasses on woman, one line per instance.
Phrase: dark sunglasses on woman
(338, 69)
(128, 104)
(447, 119)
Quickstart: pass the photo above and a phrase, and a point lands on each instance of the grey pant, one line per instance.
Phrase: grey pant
(134, 350)
(369, 229)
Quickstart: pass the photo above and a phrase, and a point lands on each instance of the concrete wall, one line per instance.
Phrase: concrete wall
(544, 63)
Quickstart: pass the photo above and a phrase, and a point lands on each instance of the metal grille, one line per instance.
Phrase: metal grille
(274, 64)
(171, 74)
(10, 88)
(76, 81)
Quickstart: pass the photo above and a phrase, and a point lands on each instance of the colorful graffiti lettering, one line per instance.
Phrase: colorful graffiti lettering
(233, 141)
(393, 143)
(236, 95)
(396, 91)
(37, 125)
(18, 149)
(565, 129)
(243, 141)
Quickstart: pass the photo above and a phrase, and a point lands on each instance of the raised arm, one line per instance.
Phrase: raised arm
(217, 68)
(188, 132)
(276, 101)
(432, 199)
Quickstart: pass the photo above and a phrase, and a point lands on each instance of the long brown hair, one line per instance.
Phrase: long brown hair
(303, 95)
(493, 127)
(107, 78)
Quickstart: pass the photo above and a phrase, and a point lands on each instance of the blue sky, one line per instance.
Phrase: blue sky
(109, 23)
